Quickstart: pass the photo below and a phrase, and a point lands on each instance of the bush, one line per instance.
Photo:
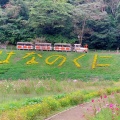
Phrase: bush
(76, 98)
(64, 102)
(49, 104)
(53, 103)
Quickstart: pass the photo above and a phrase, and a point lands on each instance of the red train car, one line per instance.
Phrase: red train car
(62, 47)
(43, 46)
(25, 46)
(48, 47)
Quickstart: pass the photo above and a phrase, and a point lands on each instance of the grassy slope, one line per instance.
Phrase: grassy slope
(17, 69)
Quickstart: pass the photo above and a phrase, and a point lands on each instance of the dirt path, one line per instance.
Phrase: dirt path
(76, 113)
(83, 111)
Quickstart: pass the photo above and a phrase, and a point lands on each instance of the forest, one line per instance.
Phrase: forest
(92, 22)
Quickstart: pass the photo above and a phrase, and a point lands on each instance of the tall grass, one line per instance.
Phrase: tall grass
(43, 107)
(25, 89)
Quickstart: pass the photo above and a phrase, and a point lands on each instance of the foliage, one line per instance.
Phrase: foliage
(47, 105)
(96, 22)
(2, 2)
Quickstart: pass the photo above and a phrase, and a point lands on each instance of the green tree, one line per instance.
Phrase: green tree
(13, 22)
(84, 12)
(103, 35)
(3, 2)
(50, 15)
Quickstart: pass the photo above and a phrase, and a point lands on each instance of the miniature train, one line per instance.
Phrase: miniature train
(48, 47)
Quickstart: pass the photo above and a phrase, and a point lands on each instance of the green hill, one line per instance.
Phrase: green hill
(82, 70)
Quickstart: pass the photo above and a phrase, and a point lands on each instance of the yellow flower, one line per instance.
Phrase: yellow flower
(103, 65)
(32, 61)
(75, 60)
(28, 54)
(105, 56)
(58, 57)
(94, 61)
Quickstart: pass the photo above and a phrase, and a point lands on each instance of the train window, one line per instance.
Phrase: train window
(43, 46)
(62, 47)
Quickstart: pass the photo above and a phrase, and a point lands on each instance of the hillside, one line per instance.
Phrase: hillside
(95, 22)
(20, 64)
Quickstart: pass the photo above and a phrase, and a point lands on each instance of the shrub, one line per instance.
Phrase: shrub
(76, 98)
(101, 92)
(49, 104)
(64, 102)
(91, 95)
(53, 103)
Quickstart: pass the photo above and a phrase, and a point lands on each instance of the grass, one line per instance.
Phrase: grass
(25, 92)
(17, 68)
(22, 84)
(28, 109)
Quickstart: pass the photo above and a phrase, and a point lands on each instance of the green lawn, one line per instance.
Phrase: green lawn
(18, 69)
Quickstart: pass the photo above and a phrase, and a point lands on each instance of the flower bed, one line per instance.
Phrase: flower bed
(94, 61)
(106, 107)
(8, 57)
(32, 61)
(58, 57)
(94, 64)
(75, 60)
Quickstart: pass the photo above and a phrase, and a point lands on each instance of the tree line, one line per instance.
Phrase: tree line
(92, 22)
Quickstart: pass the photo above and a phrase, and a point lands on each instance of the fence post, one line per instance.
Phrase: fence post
(117, 49)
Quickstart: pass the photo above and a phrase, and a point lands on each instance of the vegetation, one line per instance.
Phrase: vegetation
(51, 83)
(58, 79)
(73, 21)
(20, 66)
(109, 110)
(46, 103)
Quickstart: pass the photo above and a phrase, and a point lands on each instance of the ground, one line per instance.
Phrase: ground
(75, 113)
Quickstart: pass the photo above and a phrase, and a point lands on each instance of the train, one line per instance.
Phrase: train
(49, 47)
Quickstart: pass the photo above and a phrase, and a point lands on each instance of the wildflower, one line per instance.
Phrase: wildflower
(111, 105)
(117, 109)
(105, 96)
(107, 104)
(93, 100)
